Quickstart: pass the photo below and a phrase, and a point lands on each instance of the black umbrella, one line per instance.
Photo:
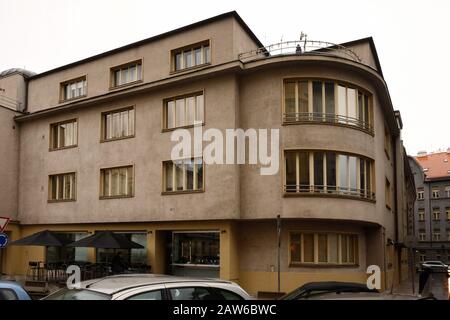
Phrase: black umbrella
(44, 238)
(106, 240)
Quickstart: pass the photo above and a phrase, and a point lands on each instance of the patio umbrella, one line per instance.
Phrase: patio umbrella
(106, 240)
(44, 238)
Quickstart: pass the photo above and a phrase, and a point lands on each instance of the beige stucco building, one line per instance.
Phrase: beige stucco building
(87, 147)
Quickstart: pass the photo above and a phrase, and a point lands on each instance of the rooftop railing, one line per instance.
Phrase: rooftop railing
(300, 47)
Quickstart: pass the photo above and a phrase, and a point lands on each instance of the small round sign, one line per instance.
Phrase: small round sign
(3, 240)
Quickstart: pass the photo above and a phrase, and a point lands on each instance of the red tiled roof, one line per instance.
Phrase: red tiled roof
(435, 165)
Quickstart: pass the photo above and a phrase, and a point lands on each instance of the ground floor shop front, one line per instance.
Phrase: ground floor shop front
(242, 251)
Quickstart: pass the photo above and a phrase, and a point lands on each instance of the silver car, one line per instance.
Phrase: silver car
(435, 266)
(152, 287)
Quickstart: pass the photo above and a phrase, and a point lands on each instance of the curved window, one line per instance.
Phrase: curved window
(327, 102)
(328, 173)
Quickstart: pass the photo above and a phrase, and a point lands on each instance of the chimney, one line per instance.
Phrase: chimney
(422, 153)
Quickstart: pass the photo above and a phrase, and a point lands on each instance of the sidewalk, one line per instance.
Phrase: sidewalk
(437, 285)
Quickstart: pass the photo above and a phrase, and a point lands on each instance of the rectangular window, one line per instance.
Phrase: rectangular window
(191, 56)
(323, 248)
(447, 191)
(420, 194)
(73, 89)
(421, 214)
(62, 187)
(126, 74)
(447, 213)
(388, 194)
(196, 248)
(184, 111)
(422, 235)
(330, 173)
(435, 192)
(63, 134)
(436, 236)
(436, 214)
(117, 182)
(183, 175)
(118, 124)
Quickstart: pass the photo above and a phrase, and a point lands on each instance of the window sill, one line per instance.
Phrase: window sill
(182, 127)
(326, 195)
(116, 139)
(166, 193)
(62, 200)
(115, 197)
(63, 148)
(322, 265)
(173, 72)
(125, 85)
(72, 99)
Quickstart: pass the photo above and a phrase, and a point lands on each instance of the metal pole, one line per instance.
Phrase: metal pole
(279, 250)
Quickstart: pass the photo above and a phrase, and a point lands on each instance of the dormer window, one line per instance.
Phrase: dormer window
(191, 56)
(126, 74)
(73, 89)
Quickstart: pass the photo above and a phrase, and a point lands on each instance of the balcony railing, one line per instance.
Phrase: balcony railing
(309, 47)
(331, 118)
(302, 189)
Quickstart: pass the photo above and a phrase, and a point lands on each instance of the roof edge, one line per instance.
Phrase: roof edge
(225, 15)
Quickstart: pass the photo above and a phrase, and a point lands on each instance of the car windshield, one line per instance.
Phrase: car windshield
(77, 294)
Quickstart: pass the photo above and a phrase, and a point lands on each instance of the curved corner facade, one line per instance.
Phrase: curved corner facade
(95, 154)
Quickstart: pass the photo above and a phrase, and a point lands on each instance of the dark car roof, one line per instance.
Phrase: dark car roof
(329, 286)
(334, 286)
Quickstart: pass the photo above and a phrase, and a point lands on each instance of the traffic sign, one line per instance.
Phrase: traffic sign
(3, 240)
(3, 223)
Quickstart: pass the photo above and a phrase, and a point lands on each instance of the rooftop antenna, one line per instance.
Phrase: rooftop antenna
(281, 44)
(305, 37)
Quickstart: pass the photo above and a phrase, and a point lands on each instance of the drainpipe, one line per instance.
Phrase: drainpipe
(279, 252)
(396, 235)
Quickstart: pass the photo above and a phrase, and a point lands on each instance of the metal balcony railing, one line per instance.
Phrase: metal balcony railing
(312, 117)
(328, 190)
(300, 47)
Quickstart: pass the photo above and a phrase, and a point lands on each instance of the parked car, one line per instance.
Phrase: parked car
(331, 290)
(11, 290)
(313, 290)
(435, 266)
(152, 287)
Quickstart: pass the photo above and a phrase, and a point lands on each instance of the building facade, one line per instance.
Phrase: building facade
(93, 152)
(432, 210)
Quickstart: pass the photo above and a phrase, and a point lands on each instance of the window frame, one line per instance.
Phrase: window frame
(435, 193)
(50, 187)
(420, 194)
(421, 215)
(436, 214)
(113, 69)
(164, 112)
(51, 138)
(191, 48)
(388, 193)
(131, 195)
(113, 111)
(316, 262)
(312, 191)
(163, 180)
(62, 92)
(369, 128)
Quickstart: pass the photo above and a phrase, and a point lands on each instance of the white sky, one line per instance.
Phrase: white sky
(411, 39)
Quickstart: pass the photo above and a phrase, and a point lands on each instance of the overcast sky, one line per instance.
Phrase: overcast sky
(412, 40)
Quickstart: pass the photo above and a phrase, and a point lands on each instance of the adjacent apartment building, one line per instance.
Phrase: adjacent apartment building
(86, 147)
(432, 210)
